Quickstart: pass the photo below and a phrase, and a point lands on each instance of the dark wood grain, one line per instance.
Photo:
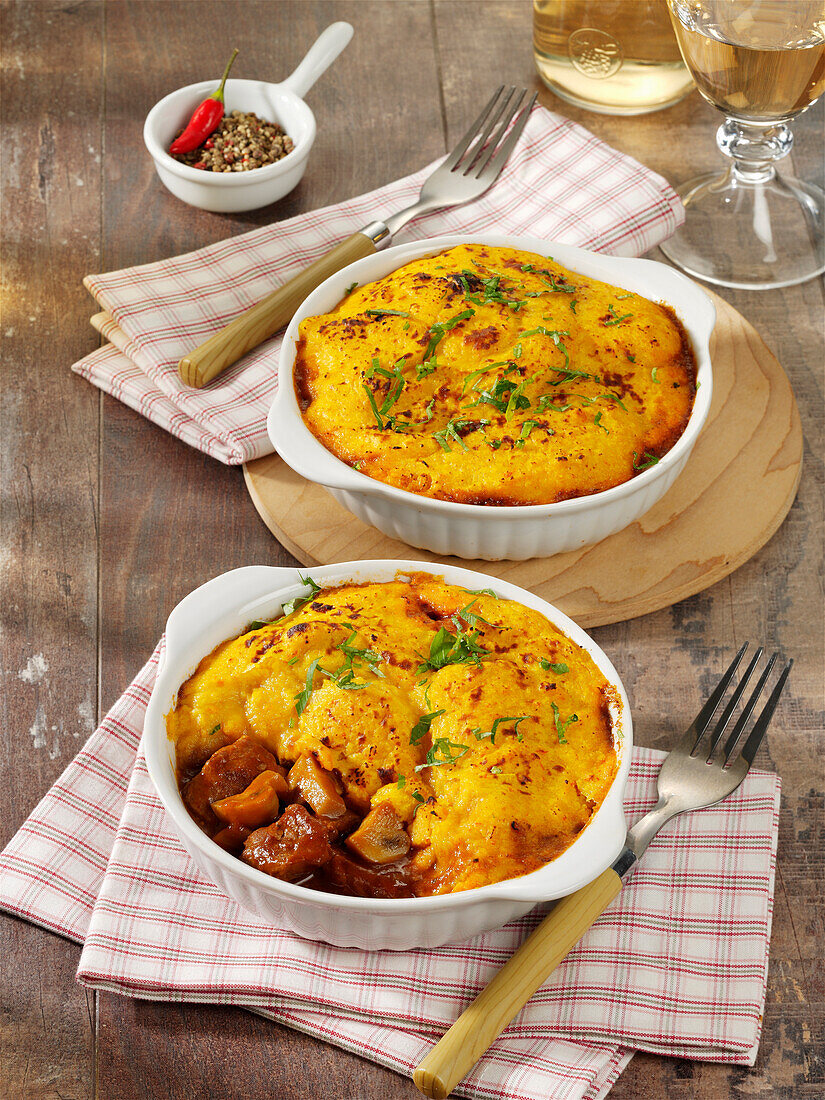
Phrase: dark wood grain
(107, 521)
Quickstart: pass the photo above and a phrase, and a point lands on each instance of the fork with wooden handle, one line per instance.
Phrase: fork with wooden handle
(470, 169)
(696, 773)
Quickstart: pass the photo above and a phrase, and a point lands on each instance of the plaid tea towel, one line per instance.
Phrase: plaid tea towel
(561, 183)
(677, 965)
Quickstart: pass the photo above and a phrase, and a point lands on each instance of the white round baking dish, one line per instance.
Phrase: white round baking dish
(222, 609)
(479, 531)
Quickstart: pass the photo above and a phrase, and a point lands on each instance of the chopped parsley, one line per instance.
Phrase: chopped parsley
(632, 358)
(386, 313)
(214, 730)
(649, 460)
(654, 375)
(452, 430)
(598, 422)
(453, 649)
(302, 698)
(615, 318)
(425, 368)
(443, 751)
(561, 727)
(422, 726)
(549, 666)
(505, 396)
(402, 782)
(472, 618)
(491, 733)
(393, 393)
(573, 303)
(526, 428)
(440, 329)
(350, 288)
(299, 601)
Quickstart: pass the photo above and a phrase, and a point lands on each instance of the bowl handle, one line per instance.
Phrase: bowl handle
(319, 57)
(238, 586)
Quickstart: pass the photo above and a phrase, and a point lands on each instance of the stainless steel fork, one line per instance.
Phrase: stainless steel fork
(469, 170)
(698, 772)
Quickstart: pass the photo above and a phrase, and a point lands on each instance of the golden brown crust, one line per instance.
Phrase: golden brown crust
(465, 723)
(495, 377)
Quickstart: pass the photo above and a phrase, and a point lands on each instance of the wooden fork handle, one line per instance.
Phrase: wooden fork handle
(455, 1054)
(263, 320)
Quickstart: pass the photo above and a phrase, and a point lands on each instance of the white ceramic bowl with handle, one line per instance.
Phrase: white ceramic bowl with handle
(222, 609)
(479, 531)
(232, 192)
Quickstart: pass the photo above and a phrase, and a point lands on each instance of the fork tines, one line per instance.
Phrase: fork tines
(705, 716)
(504, 105)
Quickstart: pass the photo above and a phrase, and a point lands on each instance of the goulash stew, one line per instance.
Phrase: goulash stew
(395, 740)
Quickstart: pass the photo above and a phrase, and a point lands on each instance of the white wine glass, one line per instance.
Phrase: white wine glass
(761, 63)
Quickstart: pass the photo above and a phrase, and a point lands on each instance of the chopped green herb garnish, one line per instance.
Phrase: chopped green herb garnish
(561, 727)
(616, 319)
(649, 460)
(406, 326)
(302, 698)
(549, 666)
(439, 330)
(350, 288)
(598, 422)
(481, 592)
(453, 649)
(526, 428)
(491, 733)
(573, 304)
(452, 430)
(386, 313)
(418, 796)
(425, 368)
(402, 782)
(443, 751)
(299, 601)
(422, 726)
(256, 624)
(505, 396)
(546, 402)
(495, 770)
(654, 375)
(214, 730)
(472, 618)
(621, 297)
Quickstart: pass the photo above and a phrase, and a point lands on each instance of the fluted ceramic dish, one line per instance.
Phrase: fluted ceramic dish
(481, 531)
(222, 609)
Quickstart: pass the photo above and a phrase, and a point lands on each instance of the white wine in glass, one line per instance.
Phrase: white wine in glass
(761, 63)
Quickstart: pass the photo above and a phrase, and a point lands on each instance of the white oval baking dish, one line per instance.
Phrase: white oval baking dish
(479, 531)
(222, 609)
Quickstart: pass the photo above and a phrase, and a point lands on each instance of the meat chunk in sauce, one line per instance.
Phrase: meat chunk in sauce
(227, 772)
(349, 876)
(292, 846)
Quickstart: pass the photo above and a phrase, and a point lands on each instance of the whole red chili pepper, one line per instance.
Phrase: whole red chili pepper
(205, 118)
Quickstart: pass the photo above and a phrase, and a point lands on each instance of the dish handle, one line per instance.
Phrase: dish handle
(239, 586)
(319, 57)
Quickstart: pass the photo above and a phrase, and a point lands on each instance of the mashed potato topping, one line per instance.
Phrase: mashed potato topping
(396, 739)
(486, 375)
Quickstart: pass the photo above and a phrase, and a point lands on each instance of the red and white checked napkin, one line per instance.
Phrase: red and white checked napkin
(561, 183)
(677, 965)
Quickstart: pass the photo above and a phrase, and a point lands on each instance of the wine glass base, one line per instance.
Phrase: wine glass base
(753, 234)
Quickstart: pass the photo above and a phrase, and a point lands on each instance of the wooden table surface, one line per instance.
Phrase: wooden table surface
(107, 521)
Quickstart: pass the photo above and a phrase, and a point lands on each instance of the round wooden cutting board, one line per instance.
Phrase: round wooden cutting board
(735, 491)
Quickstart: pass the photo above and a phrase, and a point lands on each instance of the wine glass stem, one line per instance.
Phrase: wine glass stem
(754, 148)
